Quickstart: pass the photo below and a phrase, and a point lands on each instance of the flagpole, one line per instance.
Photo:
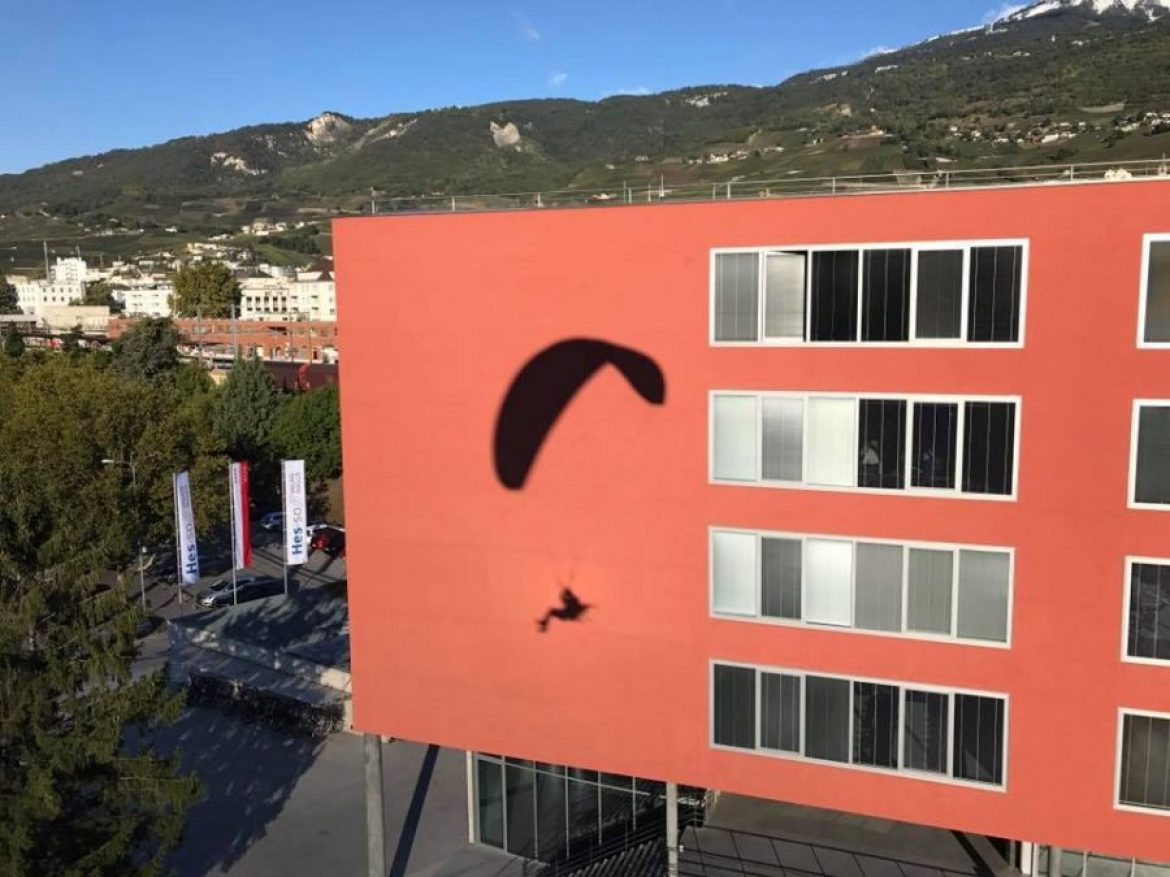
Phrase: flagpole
(178, 550)
(232, 518)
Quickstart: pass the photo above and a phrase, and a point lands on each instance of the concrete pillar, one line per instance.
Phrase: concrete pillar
(375, 811)
(672, 829)
(1054, 861)
(471, 805)
(1027, 858)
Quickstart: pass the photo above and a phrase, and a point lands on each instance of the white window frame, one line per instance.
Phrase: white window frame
(1143, 286)
(906, 545)
(1126, 604)
(1131, 486)
(915, 248)
(910, 399)
(930, 776)
(1122, 712)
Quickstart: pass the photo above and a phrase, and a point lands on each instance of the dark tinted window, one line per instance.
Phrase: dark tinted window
(826, 718)
(735, 706)
(781, 577)
(780, 712)
(989, 447)
(490, 794)
(1152, 476)
(1149, 611)
(940, 294)
(993, 309)
(935, 444)
(875, 724)
(926, 731)
(1158, 293)
(979, 738)
(882, 443)
(885, 306)
(1145, 762)
(834, 296)
(521, 811)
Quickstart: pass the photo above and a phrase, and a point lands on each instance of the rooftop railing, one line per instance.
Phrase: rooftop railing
(792, 185)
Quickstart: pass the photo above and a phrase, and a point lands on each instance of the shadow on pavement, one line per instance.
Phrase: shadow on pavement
(248, 773)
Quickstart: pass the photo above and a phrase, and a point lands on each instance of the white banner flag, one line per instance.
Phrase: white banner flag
(296, 540)
(185, 523)
(241, 523)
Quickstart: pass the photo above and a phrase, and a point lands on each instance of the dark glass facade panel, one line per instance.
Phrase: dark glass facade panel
(935, 445)
(735, 706)
(780, 712)
(993, 306)
(875, 724)
(781, 577)
(833, 306)
(550, 811)
(737, 297)
(979, 725)
(1145, 762)
(925, 735)
(826, 718)
(1152, 475)
(939, 294)
(1149, 611)
(1157, 326)
(989, 437)
(584, 809)
(490, 795)
(521, 810)
(881, 444)
(885, 302)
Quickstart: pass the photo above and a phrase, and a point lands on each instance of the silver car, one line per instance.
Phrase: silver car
(220, 592)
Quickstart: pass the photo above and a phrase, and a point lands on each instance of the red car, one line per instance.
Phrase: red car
(331, 540)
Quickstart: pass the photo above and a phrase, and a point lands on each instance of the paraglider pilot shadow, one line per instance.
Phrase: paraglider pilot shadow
(537, 397)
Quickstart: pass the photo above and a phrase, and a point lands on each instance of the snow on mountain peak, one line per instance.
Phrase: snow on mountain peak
(1151, 8)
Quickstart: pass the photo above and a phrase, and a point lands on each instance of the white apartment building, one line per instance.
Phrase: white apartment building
(148, 299)
(310, 295)
(70, 270)
(33, 296)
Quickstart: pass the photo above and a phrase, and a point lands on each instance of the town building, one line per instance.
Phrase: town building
(858, 503)
(303, 295)
(147, 299)
(33, 296)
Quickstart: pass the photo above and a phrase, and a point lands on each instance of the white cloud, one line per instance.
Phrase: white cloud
(1002, 11)
(556, 80)
(527, 29)
(636, 90)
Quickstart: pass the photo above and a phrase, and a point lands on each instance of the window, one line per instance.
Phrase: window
(736, 296)
(1144, 779)
(1148, 618)
(868, 723)
(1151, 463)
(1156, 291)
(993, 307)
(944, 446)
(928, 590)
(735, 706)
(932, 294)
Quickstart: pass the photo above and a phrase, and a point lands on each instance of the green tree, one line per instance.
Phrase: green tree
(100, 294)
(207, 289)
(308, 428)
(79, 792)
(8, 303)
(246, 410)
(148, 349)
(13, 341)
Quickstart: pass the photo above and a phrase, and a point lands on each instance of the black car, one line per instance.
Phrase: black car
(259, 589)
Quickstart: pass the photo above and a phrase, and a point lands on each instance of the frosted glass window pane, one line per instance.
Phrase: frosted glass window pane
(733, 558)
(783, 421)
(1158, 293)
(983, 595)
(737, 278)
(832, 441)
(734, 436)
(784, 295)
(930, 577)
(879, 587)
(828, 582)
(781, 578)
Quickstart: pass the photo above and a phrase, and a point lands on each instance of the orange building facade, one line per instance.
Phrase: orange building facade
(891, 538)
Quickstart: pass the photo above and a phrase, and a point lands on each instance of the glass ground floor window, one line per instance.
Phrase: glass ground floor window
(550, 811)
(1077, 863)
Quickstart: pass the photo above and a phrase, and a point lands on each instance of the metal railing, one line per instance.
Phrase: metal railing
(791, 186)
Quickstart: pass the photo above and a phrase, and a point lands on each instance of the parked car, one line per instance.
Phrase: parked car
(220, 592)
(331, 540)
(272, 521)
(259, 589)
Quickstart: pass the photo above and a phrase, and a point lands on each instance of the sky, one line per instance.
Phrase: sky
(85, 76)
